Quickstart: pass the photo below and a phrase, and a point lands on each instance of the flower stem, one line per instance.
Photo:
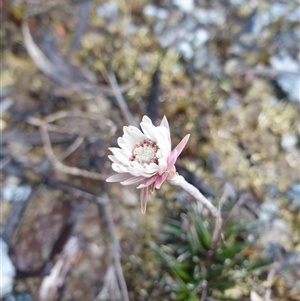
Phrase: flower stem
(180, 181)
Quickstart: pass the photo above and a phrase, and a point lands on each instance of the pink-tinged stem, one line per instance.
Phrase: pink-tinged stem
(180, 181)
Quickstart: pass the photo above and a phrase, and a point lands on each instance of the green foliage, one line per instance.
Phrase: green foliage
(192, 261)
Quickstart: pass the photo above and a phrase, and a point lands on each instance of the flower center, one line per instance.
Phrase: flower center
(145, 152)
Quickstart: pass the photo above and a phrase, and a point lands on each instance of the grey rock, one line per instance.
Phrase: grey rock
(294, 15)
(288, 141)
(7, 271)
(267, 212)
(230, 191)
(236, 2)
(273, 231)
(215, 16)
(168, 36)
(175, 30)
(186, 5)
(290, 84)
(296, 35)
(5, 104)
(289, 38)
(271, 14)
(288, 265)
(207, 62)
(274, 251)
(283, 62)
(229, 102)
(190, 24)
(271, 191)
(278, 9)
(108, 10)
(153, 11)
(15, 193)
(19, 297)
(288, 77)
(186, 49)
(293, 195)
(291, 272)
(200, 37)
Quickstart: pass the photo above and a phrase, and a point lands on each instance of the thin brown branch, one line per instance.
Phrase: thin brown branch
(71, 149)
(64, 114)
(263, 70)
(56, 128)
(52, 283)
(79, 114)
(115, 252)
(204, 290)
(61, 71)
(60, 166)
(120, 99)
(239, 203)
(109, 282)
(73, 131)
(217, 232)
(270, 278)
(79, 193)
(4, 161)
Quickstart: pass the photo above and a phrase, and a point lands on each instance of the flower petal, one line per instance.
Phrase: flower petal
(148, 182)
(130, 140)
(113, 159)
(148, 130)
(162, 166)
(135, 134)
(181, 145)
(144, 195)
(118, 152)
(146, 119)
(172, 159)
(164, 122)
(118, 177)
(132, 180)
(160, 180)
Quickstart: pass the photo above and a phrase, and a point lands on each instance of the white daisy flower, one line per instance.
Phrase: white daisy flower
(145, 156)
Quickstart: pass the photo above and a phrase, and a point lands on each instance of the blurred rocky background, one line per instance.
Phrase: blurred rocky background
(73, 73)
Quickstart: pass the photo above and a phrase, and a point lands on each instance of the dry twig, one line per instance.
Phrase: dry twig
(61, 71)
(62, 167)
(270, 278)
(43, 125)
(217, 232)
(79, 193)
(115, 252)
(51, 284)
(108, 286)
(71, 149)
(120, 99)
(243, 198)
